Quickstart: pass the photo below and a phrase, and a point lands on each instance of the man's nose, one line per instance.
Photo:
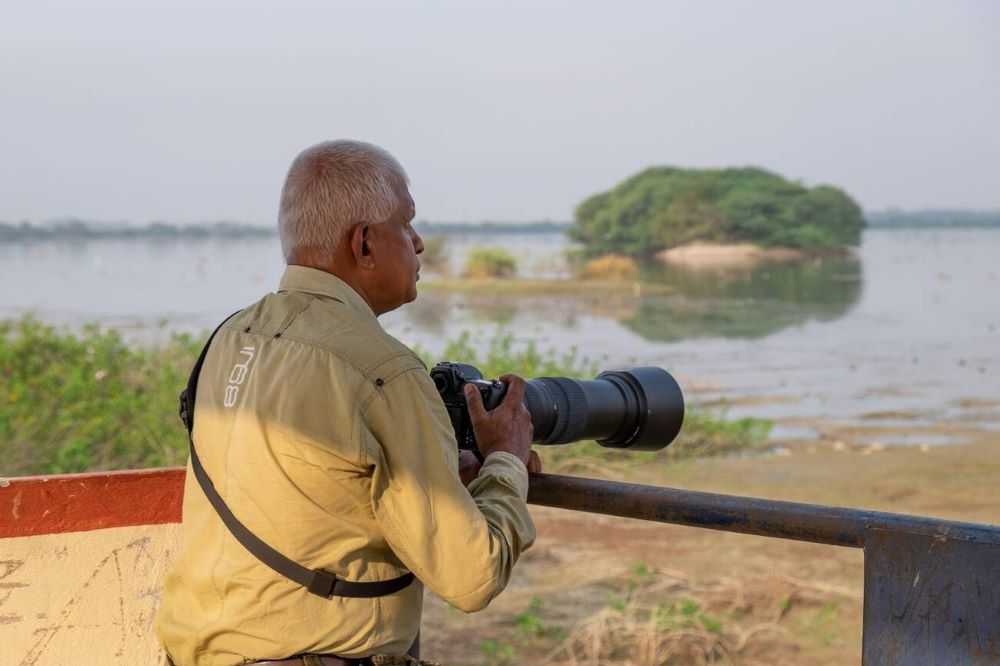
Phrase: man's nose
(418, 243)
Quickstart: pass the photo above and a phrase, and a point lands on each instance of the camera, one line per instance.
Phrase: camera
(639, 409)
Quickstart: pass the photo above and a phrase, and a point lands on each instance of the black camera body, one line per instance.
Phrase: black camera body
(450, 380)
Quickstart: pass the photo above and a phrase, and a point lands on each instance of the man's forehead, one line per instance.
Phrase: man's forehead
(406, 202)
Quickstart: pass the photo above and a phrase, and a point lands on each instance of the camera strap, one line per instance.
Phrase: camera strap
(317, 581)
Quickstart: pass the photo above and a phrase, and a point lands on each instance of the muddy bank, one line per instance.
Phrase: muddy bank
(765, 600)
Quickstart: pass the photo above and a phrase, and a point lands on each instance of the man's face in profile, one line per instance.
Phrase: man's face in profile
(396, 245)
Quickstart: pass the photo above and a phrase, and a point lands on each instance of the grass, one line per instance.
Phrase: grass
(87, 400)
(659, 617)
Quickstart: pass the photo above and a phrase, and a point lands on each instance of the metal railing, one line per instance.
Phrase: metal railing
(932, 587)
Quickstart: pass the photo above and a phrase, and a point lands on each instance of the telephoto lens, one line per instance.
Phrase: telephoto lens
(639, 409)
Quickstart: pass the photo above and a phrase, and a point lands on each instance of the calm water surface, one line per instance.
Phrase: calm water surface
(905, 332)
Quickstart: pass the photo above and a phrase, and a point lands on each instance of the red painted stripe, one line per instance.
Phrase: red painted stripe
(33, 505)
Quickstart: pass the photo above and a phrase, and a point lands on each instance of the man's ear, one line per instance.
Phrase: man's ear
(361, 237)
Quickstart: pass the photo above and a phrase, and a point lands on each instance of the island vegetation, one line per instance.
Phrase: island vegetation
(666, 207)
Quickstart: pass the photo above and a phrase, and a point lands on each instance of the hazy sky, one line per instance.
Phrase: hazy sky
(191, 111)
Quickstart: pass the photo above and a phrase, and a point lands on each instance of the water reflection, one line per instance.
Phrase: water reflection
(750, 302)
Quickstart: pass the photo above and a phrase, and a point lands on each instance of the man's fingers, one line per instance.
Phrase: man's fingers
(474, 401)
(515, 388)
(534, 463)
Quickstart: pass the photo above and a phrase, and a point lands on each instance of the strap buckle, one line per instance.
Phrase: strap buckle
(183, 410)
(322, 583)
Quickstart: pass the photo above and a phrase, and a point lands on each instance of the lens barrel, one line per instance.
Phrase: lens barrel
(640, 409)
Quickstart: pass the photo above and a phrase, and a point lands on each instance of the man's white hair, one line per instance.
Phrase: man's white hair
(332, 186)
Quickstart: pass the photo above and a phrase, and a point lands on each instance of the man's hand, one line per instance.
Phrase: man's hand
(508, 427)
(468, 467)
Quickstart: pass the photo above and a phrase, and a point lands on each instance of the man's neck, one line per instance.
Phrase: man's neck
(349, 277)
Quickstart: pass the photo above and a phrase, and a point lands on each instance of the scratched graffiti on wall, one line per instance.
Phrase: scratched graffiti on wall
(83, 597)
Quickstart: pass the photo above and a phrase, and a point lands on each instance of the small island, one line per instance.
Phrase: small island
(722, 214)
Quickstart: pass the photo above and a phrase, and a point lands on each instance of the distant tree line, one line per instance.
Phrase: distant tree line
(663, 207)
(934, 218)
(491, 227)
(73, 229)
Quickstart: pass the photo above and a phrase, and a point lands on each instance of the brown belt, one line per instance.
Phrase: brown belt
(315, 660)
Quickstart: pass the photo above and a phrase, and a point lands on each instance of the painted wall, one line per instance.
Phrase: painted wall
(83, 597)
(82, 562)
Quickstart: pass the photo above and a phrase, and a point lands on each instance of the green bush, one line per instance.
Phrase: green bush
(663, 207)
(500, 356)
(490, 262)
(73, 402)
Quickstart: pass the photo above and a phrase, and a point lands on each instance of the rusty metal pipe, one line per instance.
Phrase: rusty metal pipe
(836, 526)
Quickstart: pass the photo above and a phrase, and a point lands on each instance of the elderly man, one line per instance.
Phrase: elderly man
(324, 439)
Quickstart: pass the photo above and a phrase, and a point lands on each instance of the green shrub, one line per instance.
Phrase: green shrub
(501, 356)
(490, 262)
(75, 402)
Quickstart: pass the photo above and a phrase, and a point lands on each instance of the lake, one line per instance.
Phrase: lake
(902, 336)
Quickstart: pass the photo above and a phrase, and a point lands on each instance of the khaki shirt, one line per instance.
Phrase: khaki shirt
(327, 438)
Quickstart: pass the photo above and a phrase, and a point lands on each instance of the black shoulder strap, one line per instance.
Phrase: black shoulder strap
(319, 582)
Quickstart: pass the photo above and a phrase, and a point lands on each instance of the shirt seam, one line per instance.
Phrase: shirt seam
(365, 372)
(385, 380)
(394, 355)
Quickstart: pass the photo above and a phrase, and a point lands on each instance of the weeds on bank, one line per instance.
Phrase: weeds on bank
(87, 400)
(498, 653)
(530, 629)
(648, 616)
(530, 624)
(663, 618)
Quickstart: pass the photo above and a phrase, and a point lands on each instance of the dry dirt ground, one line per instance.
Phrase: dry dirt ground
(601, 590)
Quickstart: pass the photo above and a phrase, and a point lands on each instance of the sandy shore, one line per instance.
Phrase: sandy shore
(731, 255)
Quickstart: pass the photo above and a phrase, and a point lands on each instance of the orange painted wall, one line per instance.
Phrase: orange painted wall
(33, 505)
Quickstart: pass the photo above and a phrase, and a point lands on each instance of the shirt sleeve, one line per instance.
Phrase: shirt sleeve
(462, 543)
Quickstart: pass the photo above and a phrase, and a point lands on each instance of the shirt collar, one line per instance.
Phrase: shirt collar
(315, 281)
